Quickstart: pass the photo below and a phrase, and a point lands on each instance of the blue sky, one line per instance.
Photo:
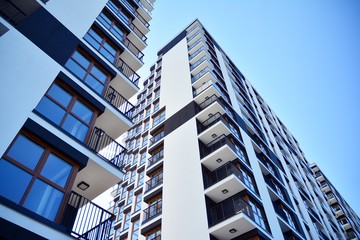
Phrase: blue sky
(303, 57)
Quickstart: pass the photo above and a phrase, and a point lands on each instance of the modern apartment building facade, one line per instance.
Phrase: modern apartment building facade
(208, 159)
(68, 70)
(342, 211)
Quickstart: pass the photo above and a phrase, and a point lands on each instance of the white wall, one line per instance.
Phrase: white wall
(26, 74)
(77, 15)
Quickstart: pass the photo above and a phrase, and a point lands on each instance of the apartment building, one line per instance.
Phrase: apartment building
(68, 69)
(345, 215)
(208, 158)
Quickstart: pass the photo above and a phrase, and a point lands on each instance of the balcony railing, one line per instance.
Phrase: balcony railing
(119, 102)
(154, 159)
(233, 206)
(132, 48)
(193, 36)
(203, 48)
(155, 181)
(126, 20)
(86, 220)
(106, 147)
(152, 211)
(198, 62)
(202, 73)
(128, 71)
(224, 171)
(156, 138)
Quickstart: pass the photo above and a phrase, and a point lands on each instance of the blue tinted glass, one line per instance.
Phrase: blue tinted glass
(94, 84)
(107, 55)
(56, 170)
(92, 42)
(50, 110)
(60, 95)
(82, 111)
(95, 35)
(83, 61)
(75, 68)
(26, 152)
(100, 75)
(13, 181)
(44, 199)
(118, 33)
(75, 127)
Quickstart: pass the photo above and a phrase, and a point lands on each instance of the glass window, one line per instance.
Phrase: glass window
(135, 230)
(26, 152)
(44, 199)
(111, 24)
(13, 181)
(72, 115)
(88, 71)
(40, 183)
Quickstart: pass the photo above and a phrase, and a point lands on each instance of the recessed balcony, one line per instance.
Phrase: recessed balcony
(325, 187)
(331, 198)
(233, 217)
(196, 36)
(216, 125)
(152, 211)
(201, 42)
(224, 182)
(220, 151)
(319, 176)
(338, 210)
(345, 223)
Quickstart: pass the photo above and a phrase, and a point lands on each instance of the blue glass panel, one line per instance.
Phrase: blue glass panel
(26, 152)
(82, 111)
(83, 61)
(75, 127)
(56, 170)
(60, 95)
(13, 181)
(75, 68)
(100, 75)
(44, 199)
(50, 110)
(94, 84)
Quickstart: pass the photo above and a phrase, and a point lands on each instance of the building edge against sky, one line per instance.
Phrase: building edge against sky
(208, 158)
(68, 70)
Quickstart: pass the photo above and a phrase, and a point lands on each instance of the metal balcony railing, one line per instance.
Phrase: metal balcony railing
(154, 159)
(155, 181)
(119, 102)
(224, 171)
(233, 206)
(152, 211)
(86, 220)
(156, 138)
(106, 147)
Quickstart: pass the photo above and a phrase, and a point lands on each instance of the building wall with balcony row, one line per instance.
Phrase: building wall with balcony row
(66, 99)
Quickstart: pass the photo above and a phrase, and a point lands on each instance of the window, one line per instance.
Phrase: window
(289, 218)
(102, 44)
(138, 201)
(143, 158)
(146, 125)
(248, 180)
(133, 176)
(135, 230)
(66, 110)
(123, 195)
(154, 234)
(156, 106)
(137, 144)
(126, 220)
(35, 177)
(130, 196)
(111, 24)
(88, 71)
(136, 157)
(159, 118)
(145, 140)
(141, 178)
(147, 112)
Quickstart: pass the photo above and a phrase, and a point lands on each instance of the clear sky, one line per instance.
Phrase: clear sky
(302, 56)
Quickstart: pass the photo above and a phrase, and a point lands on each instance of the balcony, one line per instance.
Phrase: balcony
(345, 223)
(199, 53)
(86, 220)
(136, 36)
(203, 62)
(156, 138)
(325, 187)
(233, 217)
(196, 36)
(154, 159)
(154, 182)
(201, 42)
(191, 31)
(203, 76)
(219, 151)
(227, 177)
(338, 210)
(212, 127)
(152, 211)
(106, 147)
(331, 198)
(212, 105)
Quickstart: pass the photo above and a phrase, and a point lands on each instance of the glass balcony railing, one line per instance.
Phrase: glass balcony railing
(155, 181)
(152, 211)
